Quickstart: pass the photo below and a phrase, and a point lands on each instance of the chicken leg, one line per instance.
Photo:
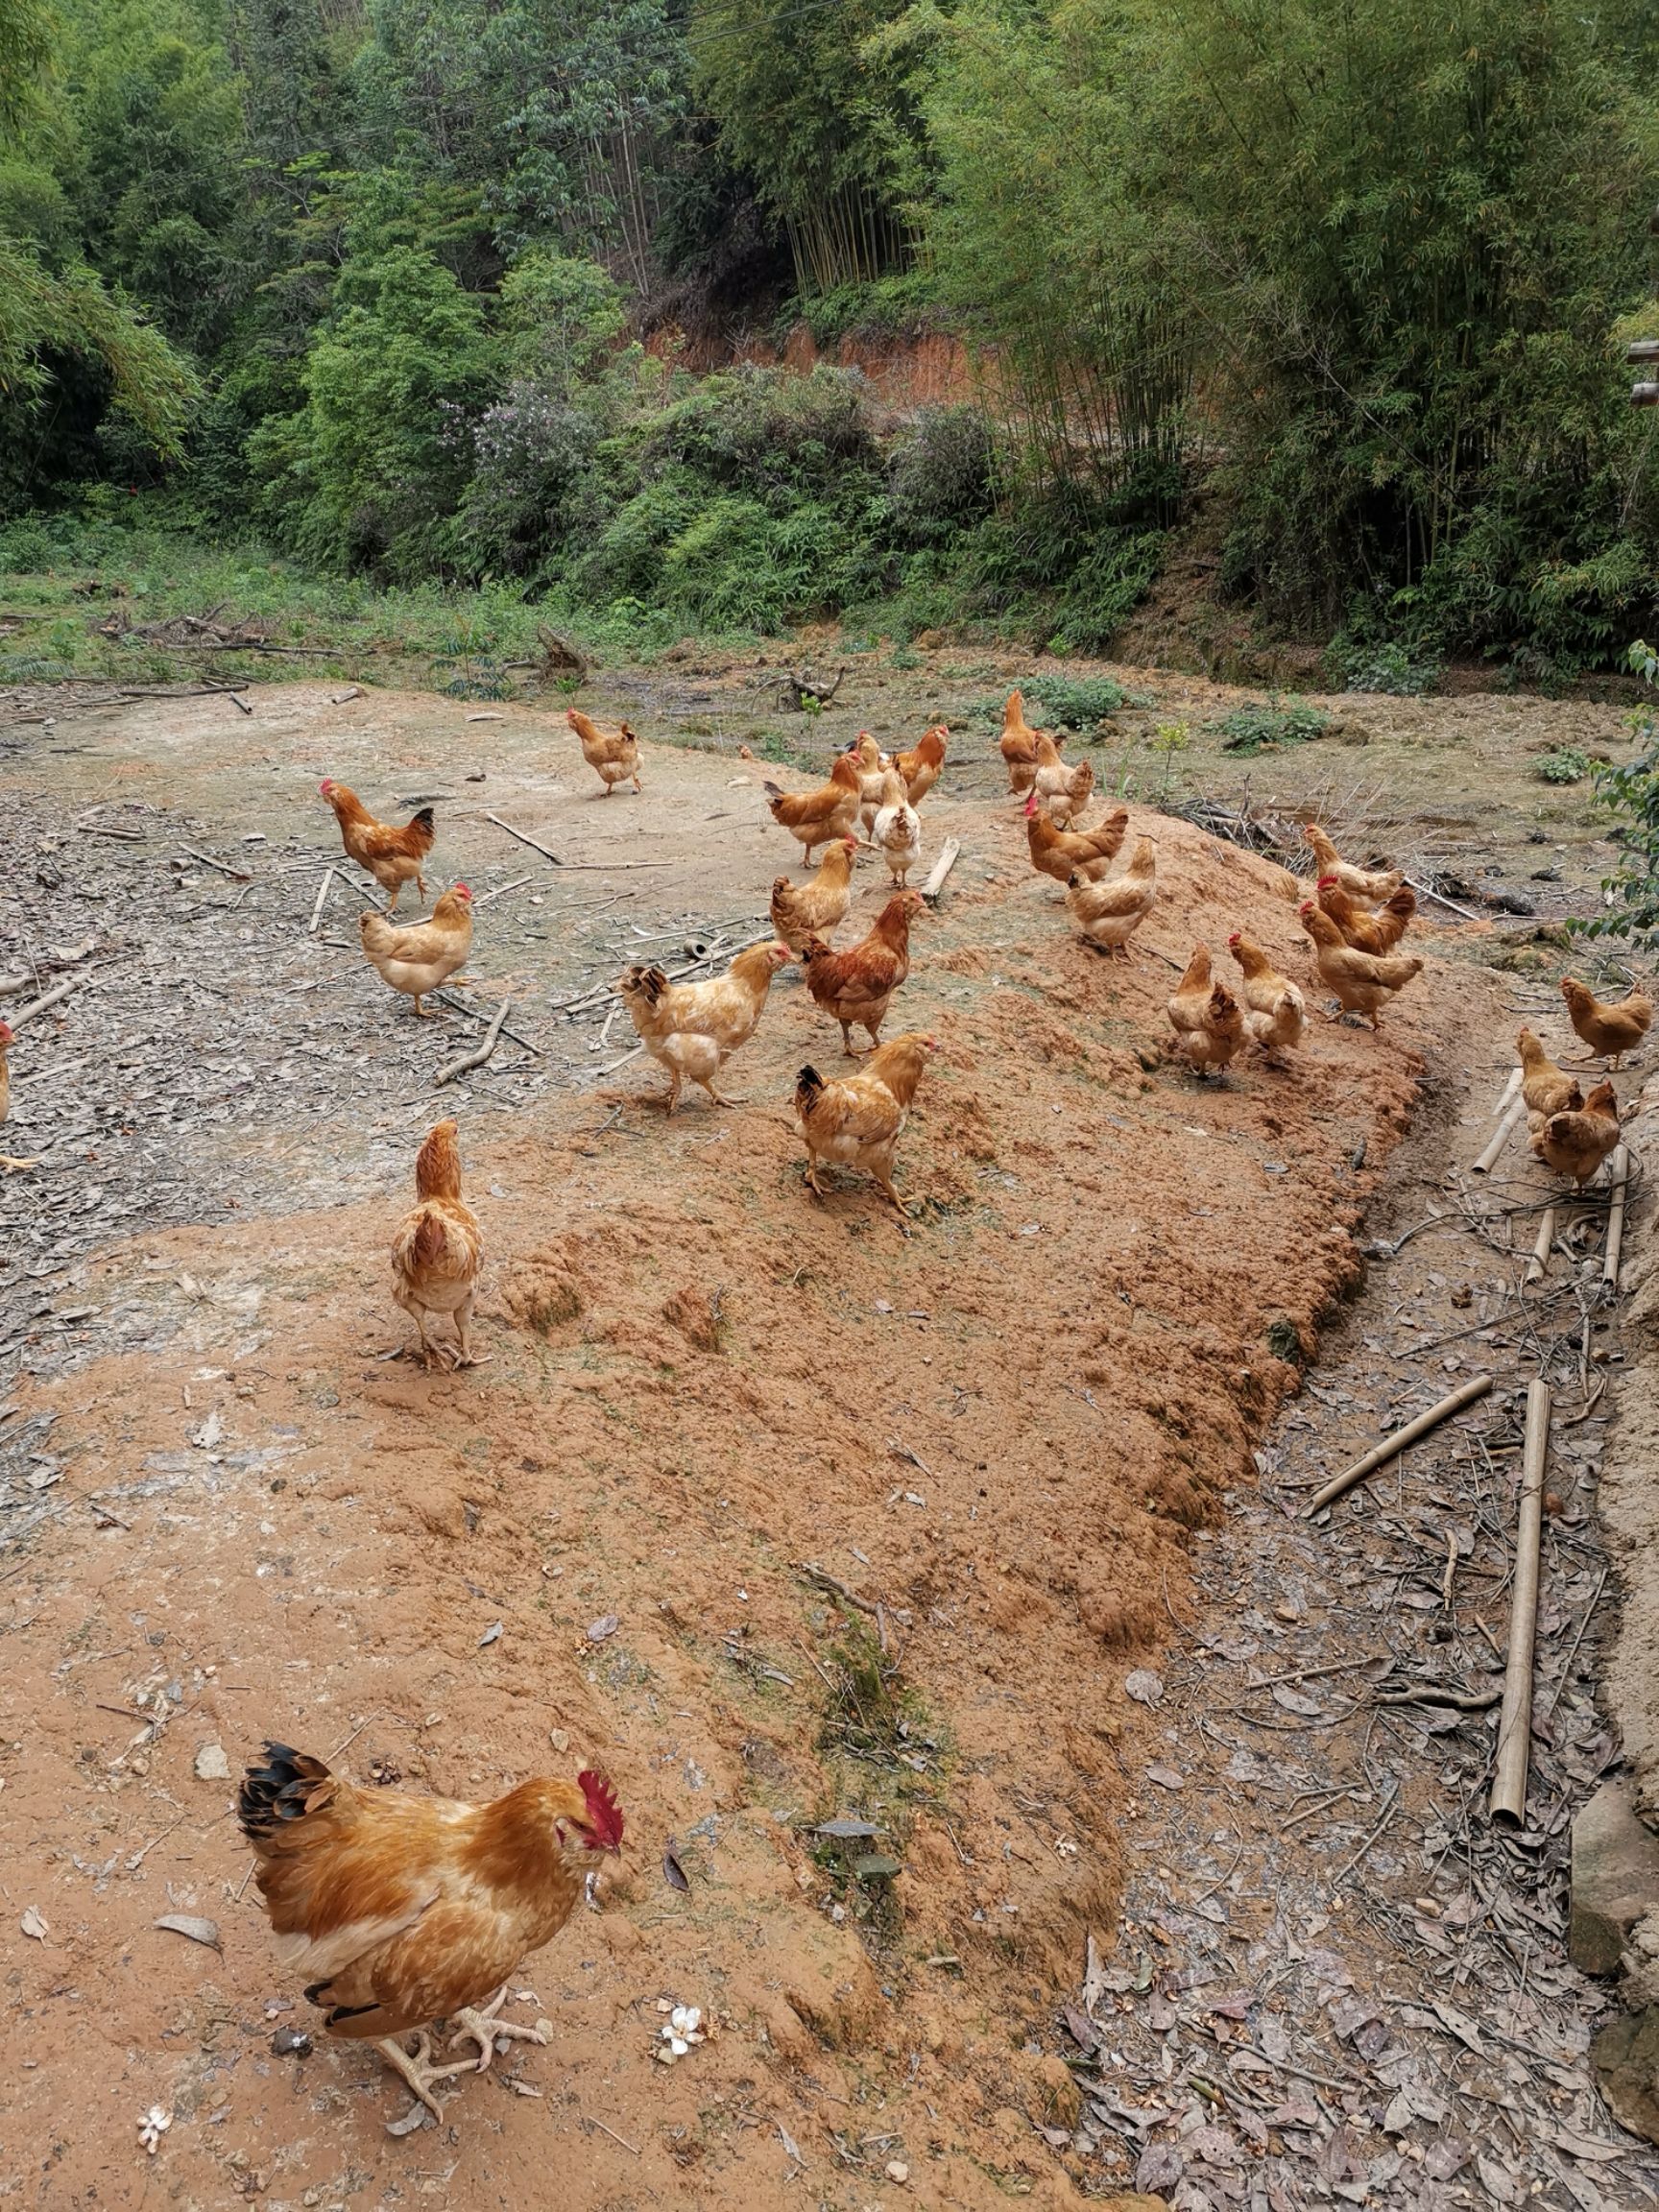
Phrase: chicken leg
(478, 2024)
(9, 1165)
(417, 2069)
(466, 1356)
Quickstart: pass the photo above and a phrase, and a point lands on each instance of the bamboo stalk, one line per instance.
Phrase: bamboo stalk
(1509, 1090)
(1465, 1394)
(1540, 1259)
(1619, 1174)
(1505, 1129)
(1515, 1725)
(942, 868)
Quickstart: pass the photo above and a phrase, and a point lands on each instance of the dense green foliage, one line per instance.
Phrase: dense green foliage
(400, 287)
(1631, 793)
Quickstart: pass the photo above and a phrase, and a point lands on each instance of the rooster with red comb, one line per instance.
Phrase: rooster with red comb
(399, 1912)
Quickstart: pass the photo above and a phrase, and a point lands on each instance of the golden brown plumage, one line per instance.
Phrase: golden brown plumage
(855, 1122)
(1210, 1040)
(422, 955)
(1066, 853)
(1575, 1141)
(438, 1250)
(1362, 982)
(613, 755)
(1018, 744)
(920, 767)
(1610, 1030)
(1275, 1010)
(8, 1165)
(895, 831)
(1368, 932)
(692, 1029)
(1063, 789)
(802, 910)
(397, 1910)
(1369, 886)
(819, 817)
(858, 985)
(1546, 1088)
(393, 856)
(1109, 913)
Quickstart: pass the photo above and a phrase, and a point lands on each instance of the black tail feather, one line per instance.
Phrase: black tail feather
(809, 1085)
(278, 1791)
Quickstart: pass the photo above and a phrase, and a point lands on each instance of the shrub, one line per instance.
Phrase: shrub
(941, 475)
(1566, 764)
(1078, 702)
(1255, 726)
(1385, 665)
(1632, 794)
(533, 452)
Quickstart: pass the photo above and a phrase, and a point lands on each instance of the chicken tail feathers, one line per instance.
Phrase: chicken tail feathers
(290, 1785)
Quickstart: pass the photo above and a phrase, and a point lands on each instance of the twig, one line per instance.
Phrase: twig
(1573, 1654)
(525, 838)
(602, 1073)
(595, 867)
(479, 1053)
(1619, 1175)
(236, 875)
(449, 998)
(810, 1572)
(48, 999)
(589, 2121)
(108, 830)
(1465, 1394)
(322, 890)
(502, 892)
(1459, 1700)
(1390, 1811)
(1508, 1801)
(1440, 899)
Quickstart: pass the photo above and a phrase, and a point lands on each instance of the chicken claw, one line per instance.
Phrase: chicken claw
(417, 2069)
(479, 2025)
(13, 1167)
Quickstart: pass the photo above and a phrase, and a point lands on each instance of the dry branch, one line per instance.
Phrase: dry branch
(1515, 1725)
(479, 1053)
(1620, 1175)
(47, 998)
(236, 875)
(1465, 1394)
(322, 889)
(942, 868)
(525, 838)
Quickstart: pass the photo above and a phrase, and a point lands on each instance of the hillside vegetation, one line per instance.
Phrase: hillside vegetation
(402, 292)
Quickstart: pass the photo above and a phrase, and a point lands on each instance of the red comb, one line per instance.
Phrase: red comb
(604, 1813)
(461, 892)
(1325, 879)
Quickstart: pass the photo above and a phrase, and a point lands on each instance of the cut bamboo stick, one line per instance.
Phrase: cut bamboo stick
(1465, 1394)
(1515, 1724)
(50, 997)
(1620, 1175)
(1541, 1251)
(1509, 1090)
(942, 868)
(1505, 1129)
(322, 890)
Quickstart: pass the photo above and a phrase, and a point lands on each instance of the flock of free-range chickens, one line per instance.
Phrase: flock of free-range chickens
(402, 1911)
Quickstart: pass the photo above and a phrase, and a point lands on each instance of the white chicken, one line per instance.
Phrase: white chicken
(897, 828)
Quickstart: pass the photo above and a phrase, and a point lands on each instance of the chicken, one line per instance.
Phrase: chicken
(8, 1163)
(613, 755)
(438, 1250)
(1063, 790)
(819, 817)
(1363, 982)
(1188, 1002)
(1017, 745)
(1109, 913)
(394, 1912)
(1576, 1143)
(1608, 1029)
(1368, 932)
(420, 956)
(692, 1029)
(1368, 886)
(897, 829)
(920, 767)
(855, 1120)
(1210, 1026)
(1275, 1010)
(873, 765)
(858, 985)
(1546, 1088)
(392, 856)
(1066, 853)
(802, 910)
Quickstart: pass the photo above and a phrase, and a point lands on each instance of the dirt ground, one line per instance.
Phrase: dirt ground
(722, 1424)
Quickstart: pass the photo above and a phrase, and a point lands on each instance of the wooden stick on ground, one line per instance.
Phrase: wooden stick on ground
(479, 1053)
(1505, 1129)
(1465, 1394)
(48, 999)
(1541, 1251)
(322, 890)
(447, 998)
(1509, 1090)
(236, 875)
(1618, 1174)
(525, 838)
(1515, 1724)
(942, 868)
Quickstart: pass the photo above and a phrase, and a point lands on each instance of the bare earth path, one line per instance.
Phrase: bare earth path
(723, 1425)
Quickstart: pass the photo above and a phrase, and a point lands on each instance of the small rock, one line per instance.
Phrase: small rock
(1615, 1878)
(898, 2173)
(1626, 2056)
(211, 1764)
(291, 2043)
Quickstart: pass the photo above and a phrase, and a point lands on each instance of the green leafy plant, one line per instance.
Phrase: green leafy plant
(1256, 725)
(1384, 665)
(1078, 702)
(1566, 764)
(1631, 793)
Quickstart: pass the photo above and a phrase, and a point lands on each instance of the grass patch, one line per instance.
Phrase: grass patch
(1260, 726)
(1566, 764)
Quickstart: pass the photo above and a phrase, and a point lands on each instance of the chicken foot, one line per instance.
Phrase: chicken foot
(11, 1166)
(478, 2024)
(416, 2068)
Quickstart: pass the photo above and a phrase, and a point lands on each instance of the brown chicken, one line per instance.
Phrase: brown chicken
(1275, 1011)
(920, 767)
(613, 755)
(1575, 1141)
(1609, 1030)
(1063, 789)
(873, 765)
(819, 817)
(1368, 886)
(423, 955)
(8, 1165)
(437, 1251)
(1109, 913)
(855, 1122)
(1214, 1037)
(1368, 932)
(858, 985)
(802, 910)
(1017, 745)
(1546, 1088)
(692, 1029)
(1066, 853)
(394, 1912)
(393, 856)
(1363, 982)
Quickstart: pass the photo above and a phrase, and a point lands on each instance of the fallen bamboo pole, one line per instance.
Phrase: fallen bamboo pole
(1619, 1173)
(1505, 1129)
(49, 999)
(942, 868)
(1509, 1090)
(1541, 1251)
(1465, 1394)
(525, 838)
(479, 1054)
(322, 890)
(1509, 1800)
